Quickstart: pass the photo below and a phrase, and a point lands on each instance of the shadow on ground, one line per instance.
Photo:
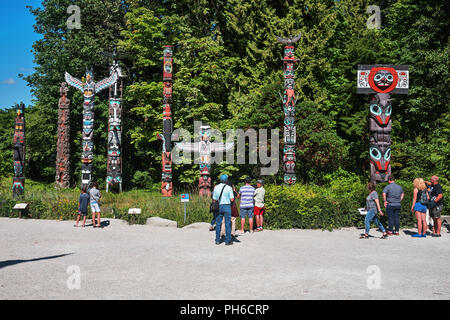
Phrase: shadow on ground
(8, 263)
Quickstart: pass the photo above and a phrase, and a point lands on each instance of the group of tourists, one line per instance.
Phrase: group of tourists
(427, 196)
(93, 199)
(252, 204)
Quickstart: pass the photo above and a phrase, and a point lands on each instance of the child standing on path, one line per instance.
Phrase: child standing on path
(95, 196)
(82, 206)
(260, 193)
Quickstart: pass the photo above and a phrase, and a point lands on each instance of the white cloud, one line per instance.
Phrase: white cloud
(9, 81)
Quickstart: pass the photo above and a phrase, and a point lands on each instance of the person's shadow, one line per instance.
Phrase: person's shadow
(409, 233)
(7, 263)
(103, 224)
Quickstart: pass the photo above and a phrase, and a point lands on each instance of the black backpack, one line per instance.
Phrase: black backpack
(214, 206)
(423, 197)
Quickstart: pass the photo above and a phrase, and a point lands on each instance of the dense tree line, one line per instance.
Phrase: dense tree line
(228, 73)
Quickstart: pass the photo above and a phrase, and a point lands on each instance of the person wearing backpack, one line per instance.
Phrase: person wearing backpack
(223, 195)
(419, 207)
(435, 205)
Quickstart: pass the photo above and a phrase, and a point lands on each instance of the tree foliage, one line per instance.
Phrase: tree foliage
(228, 73)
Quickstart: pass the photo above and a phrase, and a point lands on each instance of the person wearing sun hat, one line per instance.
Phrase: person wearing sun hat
(223, 193)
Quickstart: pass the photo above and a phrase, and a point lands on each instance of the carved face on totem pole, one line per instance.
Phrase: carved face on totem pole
(289, 130)
(380, 157)
(380, 112)
(89, 85)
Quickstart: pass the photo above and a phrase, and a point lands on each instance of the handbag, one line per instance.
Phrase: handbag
(214, 206)
(234, 210)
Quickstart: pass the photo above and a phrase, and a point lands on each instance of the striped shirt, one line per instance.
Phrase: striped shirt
(247, 193)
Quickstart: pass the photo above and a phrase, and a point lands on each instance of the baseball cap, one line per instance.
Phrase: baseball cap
(223, 178)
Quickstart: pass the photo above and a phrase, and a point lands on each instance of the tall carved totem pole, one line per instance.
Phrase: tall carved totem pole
(166, 136)
(89, 89)
(62, 177)
(114, 165)
(381, 81)
(204, 148)
(19, 151)
(289, 101)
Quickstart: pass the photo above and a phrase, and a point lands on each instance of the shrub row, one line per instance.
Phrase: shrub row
(302, 206)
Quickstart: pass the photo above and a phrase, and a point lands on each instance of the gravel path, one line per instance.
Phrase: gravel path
(40, 259)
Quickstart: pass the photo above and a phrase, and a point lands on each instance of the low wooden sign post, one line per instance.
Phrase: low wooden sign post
(21, 208)
(185, 199)
(134, 212)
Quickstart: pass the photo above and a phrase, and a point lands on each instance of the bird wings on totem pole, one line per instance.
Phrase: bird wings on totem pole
(289, 100)
(114, 164)
(18, 147)
(89, 89)
(204, 148)
(381, 80)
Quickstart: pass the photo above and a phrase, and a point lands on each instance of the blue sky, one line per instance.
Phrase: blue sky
(16, 36)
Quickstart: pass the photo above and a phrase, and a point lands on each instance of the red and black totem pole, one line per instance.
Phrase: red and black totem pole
(381, 81)
(62, 177)
(19, 151)
(289, 101)
(166, 136)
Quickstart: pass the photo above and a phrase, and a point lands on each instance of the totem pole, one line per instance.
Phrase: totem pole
(289, 101)
(62, 177)
(381, 80)
(89, 89)
(114, 165)
(166, 136)
(19, 151)
(204, 148)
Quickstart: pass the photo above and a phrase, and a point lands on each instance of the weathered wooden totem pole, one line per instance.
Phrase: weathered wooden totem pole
(62, 177)
(381, 80)
(289, 101)
(89, 89)
(166, 136)
(19, 151)
(114, 165)
(204, 148)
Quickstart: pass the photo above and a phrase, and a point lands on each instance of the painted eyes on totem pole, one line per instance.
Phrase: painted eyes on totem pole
(383, 79)
(387, 155)
(377, 110)
(388, 110)
(377, 155)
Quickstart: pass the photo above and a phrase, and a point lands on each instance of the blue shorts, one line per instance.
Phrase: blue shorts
(420, 207)
(247, 212)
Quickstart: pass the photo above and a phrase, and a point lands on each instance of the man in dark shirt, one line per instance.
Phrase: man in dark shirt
(393, 195)
(436, 204)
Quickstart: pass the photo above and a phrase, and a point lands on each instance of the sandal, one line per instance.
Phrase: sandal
(384, 236)
(364, 236)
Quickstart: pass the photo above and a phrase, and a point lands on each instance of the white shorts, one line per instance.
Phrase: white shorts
(95, 207)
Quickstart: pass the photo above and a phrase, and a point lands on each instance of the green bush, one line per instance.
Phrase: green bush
(304, 206)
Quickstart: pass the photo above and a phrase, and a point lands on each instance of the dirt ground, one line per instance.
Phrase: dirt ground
(43, 259)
